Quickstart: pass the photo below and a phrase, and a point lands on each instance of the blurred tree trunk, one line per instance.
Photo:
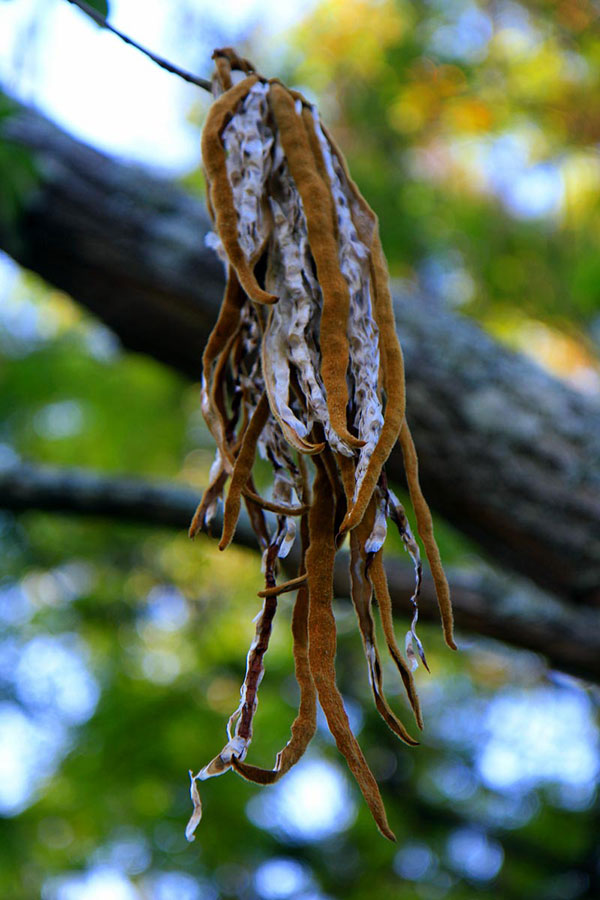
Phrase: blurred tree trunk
(509, 455)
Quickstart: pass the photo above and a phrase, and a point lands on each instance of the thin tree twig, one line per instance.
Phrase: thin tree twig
(159, 60)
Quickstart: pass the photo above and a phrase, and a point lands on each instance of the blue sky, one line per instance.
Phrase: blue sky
(109, 94)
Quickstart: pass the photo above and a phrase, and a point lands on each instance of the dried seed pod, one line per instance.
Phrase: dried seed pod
(304, 361)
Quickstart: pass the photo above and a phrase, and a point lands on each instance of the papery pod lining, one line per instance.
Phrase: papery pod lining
(316, 200)
(221, 194)
(425, 529)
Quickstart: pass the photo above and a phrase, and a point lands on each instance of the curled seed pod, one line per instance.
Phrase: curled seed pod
(304, 361)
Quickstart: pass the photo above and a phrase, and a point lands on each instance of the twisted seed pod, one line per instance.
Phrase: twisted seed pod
(304, 361)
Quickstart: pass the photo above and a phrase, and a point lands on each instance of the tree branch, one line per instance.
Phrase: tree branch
(486, 604)
(159, 60)
(509, 455)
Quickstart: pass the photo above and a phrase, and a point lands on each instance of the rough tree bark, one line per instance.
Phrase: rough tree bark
(509, 455)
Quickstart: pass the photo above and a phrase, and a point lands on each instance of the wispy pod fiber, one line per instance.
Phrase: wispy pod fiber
(304, 361)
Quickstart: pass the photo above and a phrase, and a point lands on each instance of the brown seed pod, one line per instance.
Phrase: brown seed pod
(304, 361)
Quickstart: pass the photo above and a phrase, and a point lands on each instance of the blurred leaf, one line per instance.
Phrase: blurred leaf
(100, 6)
(17, 172)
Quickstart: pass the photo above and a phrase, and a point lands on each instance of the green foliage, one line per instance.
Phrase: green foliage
(470, 130)
(18, 176)
(58, 398)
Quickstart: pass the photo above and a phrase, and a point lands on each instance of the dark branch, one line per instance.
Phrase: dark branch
(87, 493)
(159, 60)
(486, 604)
(508, 454)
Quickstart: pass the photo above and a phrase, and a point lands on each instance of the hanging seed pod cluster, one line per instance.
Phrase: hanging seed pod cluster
(304, 362)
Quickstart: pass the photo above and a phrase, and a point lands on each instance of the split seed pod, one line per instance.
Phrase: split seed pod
(304, 361)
